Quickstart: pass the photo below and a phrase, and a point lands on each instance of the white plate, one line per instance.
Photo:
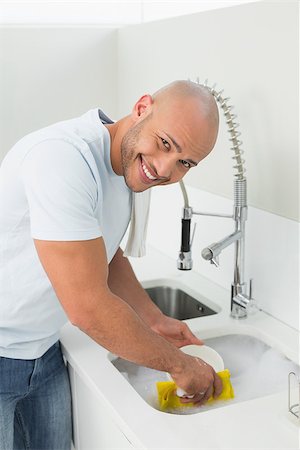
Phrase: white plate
(208, 354)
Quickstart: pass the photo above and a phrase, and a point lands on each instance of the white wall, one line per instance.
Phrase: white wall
(252, 52)
(51, 74)
(111, 13)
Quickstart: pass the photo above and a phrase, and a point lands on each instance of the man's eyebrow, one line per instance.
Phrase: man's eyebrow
(179, 149)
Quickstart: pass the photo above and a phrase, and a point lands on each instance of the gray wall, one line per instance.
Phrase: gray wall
(49, 74)
(250, 51)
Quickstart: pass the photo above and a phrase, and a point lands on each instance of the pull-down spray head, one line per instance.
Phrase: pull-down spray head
(185, 261)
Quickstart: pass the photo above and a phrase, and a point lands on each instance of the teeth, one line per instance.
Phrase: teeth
(147, 173)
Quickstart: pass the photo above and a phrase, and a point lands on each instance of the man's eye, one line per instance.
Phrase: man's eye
(186, 164)
(165, 143)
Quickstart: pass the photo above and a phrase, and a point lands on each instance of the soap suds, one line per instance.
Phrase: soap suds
(256, 370)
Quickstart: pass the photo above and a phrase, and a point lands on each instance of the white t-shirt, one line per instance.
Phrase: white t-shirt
(55, 184)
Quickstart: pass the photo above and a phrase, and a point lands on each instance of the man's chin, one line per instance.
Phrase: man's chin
(137, 187)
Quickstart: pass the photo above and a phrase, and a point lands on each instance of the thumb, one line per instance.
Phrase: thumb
(196, 341)
(191, 337)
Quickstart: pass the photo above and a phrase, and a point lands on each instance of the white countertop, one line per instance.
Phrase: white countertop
(262, 423)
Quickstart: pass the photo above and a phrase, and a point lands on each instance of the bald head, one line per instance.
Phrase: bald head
(187, 91)
(194, 106)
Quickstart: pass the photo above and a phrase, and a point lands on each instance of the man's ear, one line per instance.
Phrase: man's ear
(143, 107)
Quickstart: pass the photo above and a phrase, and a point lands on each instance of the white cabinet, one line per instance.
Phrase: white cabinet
(93, 426)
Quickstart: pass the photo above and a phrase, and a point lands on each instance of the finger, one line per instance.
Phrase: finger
(207, 395)
(180, 342)
(190, 337)
(200, 400)
(186, 400)
(195, 399)
(200, 397)
(195, 340)
(218, 385)
(176, 342)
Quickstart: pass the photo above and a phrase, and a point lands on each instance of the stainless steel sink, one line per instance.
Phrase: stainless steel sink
(178, 304)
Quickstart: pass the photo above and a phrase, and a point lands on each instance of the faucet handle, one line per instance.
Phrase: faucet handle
(215, 261)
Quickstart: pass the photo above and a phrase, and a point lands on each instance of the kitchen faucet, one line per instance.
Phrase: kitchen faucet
(241, 301)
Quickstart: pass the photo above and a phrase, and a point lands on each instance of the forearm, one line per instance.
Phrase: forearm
(123, 282)
(113, 324)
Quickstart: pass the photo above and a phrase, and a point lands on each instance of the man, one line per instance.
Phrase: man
(65, 201)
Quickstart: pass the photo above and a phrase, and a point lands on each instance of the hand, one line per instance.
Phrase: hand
(199, 379)
(175, 331)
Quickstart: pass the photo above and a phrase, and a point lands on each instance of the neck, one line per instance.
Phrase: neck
(117, 131)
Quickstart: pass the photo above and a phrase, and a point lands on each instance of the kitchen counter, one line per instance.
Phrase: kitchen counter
(262, 423)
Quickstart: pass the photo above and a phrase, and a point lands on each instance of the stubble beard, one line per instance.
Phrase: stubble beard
(129, 151)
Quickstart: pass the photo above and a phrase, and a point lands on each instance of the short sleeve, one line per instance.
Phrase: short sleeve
(61, 192)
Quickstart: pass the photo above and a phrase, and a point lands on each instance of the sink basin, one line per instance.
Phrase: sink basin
(176, 303)
(256, 370)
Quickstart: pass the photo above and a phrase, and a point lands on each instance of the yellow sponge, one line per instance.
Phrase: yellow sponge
(167, 397)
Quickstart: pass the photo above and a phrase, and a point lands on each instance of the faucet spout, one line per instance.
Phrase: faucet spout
(211, 252)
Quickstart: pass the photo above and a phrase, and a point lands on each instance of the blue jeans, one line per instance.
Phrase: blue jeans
(35, 403)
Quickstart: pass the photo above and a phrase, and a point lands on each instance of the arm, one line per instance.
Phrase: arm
(78, 271)
(123, 282)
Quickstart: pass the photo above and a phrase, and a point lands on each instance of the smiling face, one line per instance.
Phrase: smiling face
(165, 136)
(165, 143)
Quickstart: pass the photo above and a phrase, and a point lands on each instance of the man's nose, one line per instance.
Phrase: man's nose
(164, 166)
